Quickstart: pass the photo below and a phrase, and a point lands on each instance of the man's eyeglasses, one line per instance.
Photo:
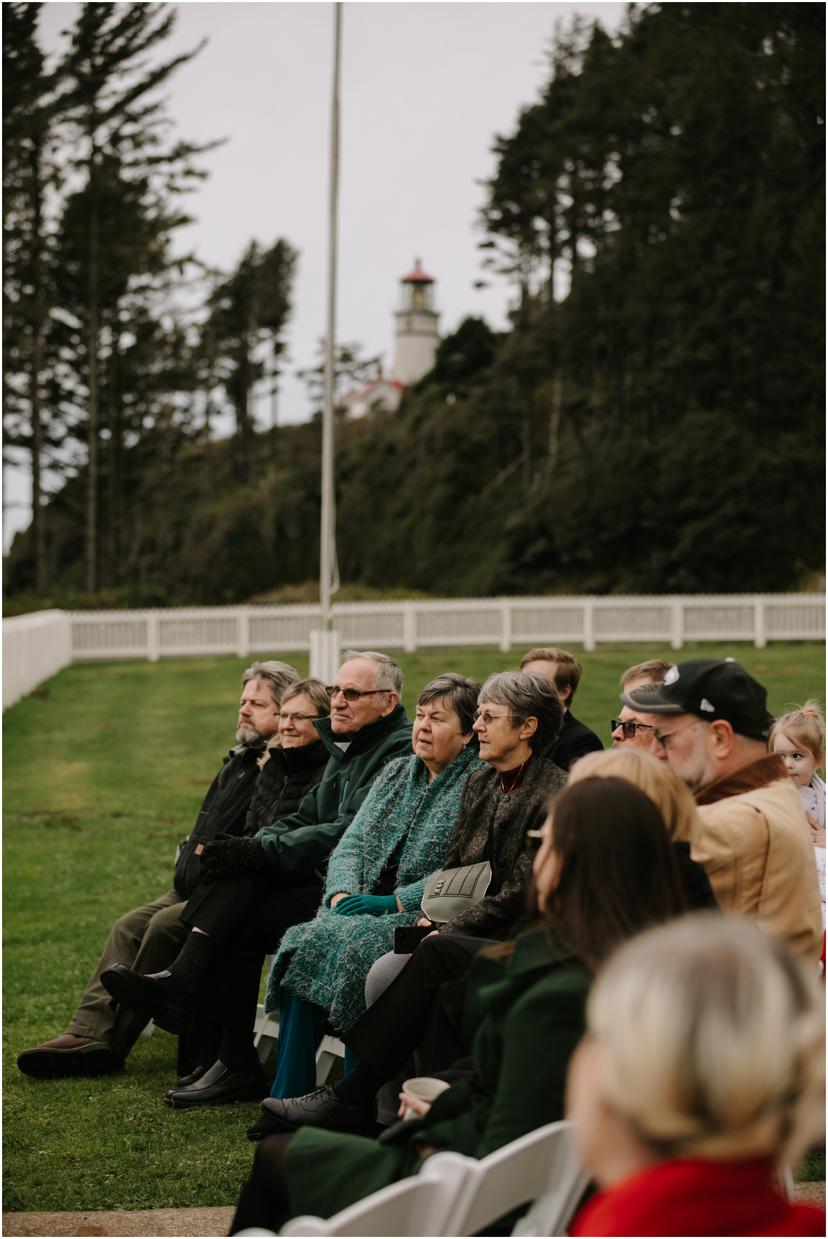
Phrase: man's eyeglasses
(629, 728)
(354, 694)
(297, 718)
(534, 838)
(664, 737)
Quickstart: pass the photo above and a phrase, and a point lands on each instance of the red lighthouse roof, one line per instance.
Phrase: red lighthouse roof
(417, 276)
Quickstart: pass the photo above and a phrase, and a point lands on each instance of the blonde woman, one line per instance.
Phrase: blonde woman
(701, 1074)
(672, 798)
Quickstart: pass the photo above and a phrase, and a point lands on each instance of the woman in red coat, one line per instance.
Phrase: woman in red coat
(702, 1073)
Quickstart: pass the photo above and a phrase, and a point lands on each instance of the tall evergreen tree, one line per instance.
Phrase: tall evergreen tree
(128, 174)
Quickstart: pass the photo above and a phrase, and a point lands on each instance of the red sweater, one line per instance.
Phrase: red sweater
(697, 1197)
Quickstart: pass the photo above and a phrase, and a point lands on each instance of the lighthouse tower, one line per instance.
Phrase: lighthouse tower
(415, 326)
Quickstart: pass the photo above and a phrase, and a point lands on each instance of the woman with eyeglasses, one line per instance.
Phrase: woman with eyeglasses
(293, 763)
(604, 871)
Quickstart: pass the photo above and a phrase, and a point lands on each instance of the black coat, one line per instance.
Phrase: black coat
(492, 825)
(575, 740)
(222, 811)
(286, 774)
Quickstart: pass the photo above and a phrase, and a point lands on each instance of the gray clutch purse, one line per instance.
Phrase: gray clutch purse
(452, 891)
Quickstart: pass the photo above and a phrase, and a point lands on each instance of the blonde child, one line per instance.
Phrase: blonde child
(799, 738)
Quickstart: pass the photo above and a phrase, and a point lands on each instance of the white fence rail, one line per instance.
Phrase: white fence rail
(409, 626)
(34, 648)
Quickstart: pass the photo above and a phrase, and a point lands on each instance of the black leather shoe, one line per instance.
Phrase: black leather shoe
(159, 995)
(218, 1085)
(321, 1108)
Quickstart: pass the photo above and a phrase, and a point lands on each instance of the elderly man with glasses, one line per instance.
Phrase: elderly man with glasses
(712, 726)
(264, 884)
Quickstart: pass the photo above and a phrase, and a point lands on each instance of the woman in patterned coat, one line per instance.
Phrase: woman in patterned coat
(375, 880)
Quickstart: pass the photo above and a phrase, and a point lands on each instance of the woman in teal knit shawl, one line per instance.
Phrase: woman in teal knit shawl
(375, 881)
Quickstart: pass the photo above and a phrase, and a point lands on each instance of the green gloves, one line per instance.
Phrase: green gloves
(372, 905)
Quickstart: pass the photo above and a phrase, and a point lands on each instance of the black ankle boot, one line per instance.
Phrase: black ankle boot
(159, 996)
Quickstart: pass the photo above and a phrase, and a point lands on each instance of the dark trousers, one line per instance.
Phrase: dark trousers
(264, 1200)
(245, 917)
(421, 1009)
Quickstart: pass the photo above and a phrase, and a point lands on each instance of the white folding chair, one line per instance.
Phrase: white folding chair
(541, 1167)
(420, 1205)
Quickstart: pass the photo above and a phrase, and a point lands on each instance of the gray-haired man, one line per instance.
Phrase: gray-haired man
(96, 1040)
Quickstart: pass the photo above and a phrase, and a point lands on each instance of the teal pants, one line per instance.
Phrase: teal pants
(301, 1027)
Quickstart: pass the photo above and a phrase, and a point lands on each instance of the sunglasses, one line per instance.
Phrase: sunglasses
(629, 728)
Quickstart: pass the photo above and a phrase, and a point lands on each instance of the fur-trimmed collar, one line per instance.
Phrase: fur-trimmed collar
(746, 779)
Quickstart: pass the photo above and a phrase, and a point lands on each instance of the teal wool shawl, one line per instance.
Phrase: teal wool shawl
(326, 960)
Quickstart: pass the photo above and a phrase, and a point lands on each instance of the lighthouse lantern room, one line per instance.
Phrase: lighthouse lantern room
(415, 322)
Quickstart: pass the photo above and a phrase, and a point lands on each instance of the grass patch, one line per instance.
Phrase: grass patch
(104, 769)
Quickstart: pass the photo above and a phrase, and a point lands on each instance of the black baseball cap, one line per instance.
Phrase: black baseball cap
(712, 689)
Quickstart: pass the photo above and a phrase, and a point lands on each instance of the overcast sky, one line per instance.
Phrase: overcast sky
(425, 88)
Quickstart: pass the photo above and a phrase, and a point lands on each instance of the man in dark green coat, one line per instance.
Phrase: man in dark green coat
(271, 881)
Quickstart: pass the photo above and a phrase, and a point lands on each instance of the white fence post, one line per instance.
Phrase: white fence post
(589, 624)
(153, 649)
(410, 627)
(324, 654)
(759, 624)
(677, 625)
(505, 626)
(244, 632)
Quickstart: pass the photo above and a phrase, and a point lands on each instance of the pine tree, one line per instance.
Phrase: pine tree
(128, 176)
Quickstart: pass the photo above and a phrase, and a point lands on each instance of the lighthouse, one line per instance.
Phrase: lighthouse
(415, 327)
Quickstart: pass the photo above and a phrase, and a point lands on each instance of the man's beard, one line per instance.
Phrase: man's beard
(248, 736)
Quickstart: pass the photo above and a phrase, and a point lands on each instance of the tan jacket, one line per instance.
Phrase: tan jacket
(755, 845)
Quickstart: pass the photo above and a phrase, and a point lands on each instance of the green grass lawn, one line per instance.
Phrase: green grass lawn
(104, 769)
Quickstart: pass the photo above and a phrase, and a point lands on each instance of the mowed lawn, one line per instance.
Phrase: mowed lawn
(105, 766)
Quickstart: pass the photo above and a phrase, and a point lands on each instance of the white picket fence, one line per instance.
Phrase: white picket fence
(35, 646)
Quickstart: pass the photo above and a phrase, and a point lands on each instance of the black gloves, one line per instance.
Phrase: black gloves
(227, 855)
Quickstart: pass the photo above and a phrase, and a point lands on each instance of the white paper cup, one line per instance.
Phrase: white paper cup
(425, 1088)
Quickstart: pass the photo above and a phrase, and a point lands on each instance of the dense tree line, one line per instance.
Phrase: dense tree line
(653, 419)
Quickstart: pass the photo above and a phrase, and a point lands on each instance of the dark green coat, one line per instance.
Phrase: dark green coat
(528, 1012)
(303, 841)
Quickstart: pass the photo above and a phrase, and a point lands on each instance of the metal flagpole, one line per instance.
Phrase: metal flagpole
(325, 644)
